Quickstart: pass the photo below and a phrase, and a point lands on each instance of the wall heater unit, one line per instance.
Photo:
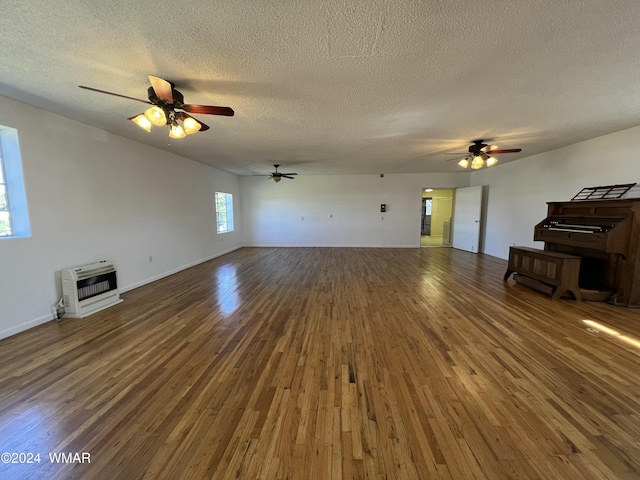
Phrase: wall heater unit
(89, 289)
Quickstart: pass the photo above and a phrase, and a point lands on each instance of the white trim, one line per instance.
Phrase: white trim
(261, 245)
(175, 270)
(26, 326)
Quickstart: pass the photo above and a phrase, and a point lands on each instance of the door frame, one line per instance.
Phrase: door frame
(422, 197)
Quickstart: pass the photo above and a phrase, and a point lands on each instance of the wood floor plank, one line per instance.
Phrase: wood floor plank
(329, 363)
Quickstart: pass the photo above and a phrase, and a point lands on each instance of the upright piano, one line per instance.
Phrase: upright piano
(606, 235)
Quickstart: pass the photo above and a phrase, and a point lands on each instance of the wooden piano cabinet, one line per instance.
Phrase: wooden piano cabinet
(610, 258)
(554, 272)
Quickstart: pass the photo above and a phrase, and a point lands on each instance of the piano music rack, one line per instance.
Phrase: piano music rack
(606, 192)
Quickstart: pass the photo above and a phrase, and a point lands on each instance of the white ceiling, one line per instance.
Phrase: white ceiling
(336, 86)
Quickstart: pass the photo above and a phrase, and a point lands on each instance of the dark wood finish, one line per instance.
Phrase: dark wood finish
(535, 284)
(329, 363)
(610, 258)
(558, 270)
(208, 110)
(114, 94)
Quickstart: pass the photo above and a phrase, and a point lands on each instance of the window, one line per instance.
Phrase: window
(5, 213)
(224, 212)
(14, 220)
(428, 204)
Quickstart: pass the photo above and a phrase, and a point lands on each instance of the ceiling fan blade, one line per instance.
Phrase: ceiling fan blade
(457, 153)
(511, 150)
(162, 88)
(183, 115)
(208, 110)
(287, 176)
(114, 94)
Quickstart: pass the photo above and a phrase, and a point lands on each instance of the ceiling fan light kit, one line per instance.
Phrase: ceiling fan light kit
(168, 108)
(483, 155)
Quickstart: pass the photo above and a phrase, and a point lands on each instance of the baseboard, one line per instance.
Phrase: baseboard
(133, 286)
(261, 245)
(25, 326)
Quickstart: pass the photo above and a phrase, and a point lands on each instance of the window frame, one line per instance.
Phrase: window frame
(4, 183)
(14, 185)
(224, 212)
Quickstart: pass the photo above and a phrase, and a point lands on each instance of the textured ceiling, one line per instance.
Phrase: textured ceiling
(332, 87)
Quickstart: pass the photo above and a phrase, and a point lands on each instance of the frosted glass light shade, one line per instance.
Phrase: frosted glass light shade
(491, 161)
(191, 125)
(477, 162)
(464, 163)
(156, 116)
(142, 122)
(176, 131)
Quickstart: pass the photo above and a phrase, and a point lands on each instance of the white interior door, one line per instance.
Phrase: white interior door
(466, 218)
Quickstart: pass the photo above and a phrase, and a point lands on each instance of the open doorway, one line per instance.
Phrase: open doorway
(435, 222)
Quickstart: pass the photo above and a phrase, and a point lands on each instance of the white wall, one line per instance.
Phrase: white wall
(518, 191)
(92, 196)
(338, 210)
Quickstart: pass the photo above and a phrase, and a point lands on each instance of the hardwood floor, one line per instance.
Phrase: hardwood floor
(318, 363)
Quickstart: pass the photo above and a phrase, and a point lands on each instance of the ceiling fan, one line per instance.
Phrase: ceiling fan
(168, 108)
(480, 153)
(277, 176)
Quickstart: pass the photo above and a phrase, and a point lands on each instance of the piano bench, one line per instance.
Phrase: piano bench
(551, 272)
